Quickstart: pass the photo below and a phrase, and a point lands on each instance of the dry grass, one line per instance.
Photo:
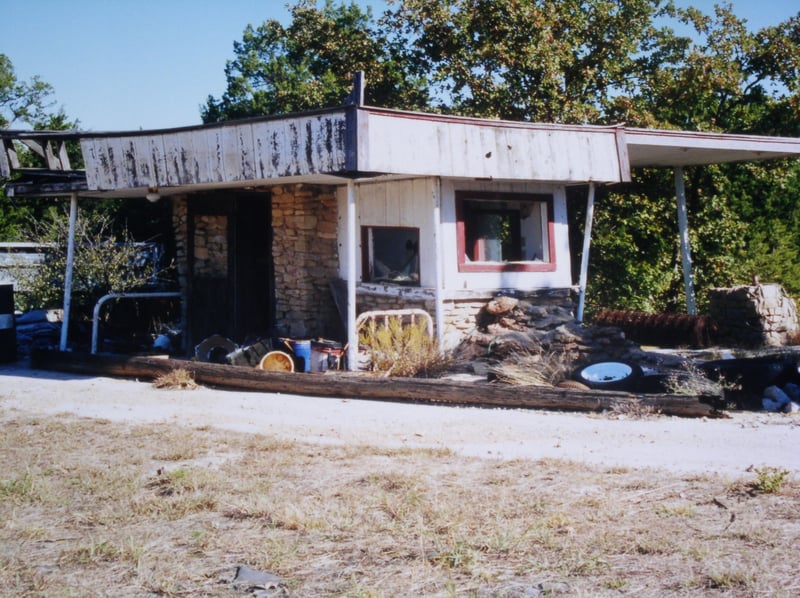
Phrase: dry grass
(179, 379)
(533, 368)
(90, 508)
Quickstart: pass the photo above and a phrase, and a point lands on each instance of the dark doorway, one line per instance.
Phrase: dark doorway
(231, 278)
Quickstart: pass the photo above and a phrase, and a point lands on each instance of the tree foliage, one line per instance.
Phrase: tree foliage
(104, 262)
(20, 101)
(310, 63)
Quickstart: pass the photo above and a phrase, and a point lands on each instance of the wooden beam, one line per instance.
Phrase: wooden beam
(371, 387)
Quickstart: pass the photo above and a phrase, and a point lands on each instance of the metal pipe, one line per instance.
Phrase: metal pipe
(683, 232)
(352, 332)
(104, 298)
(73, 218)
(587, 240)
(439, 273)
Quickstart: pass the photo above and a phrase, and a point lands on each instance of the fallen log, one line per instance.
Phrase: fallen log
(372, 387)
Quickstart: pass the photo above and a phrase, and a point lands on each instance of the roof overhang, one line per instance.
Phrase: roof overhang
(354, 142)
(661, 148)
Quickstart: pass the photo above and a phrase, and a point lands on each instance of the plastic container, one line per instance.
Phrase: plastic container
(325, 355)
(277, 361)
(302, 354)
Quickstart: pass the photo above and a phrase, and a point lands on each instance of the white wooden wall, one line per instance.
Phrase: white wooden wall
(452, 147)
(411, 203)
(406, 203)
(455, 281)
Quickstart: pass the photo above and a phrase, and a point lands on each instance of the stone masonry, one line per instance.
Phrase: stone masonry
(305, 255)
(754, 316)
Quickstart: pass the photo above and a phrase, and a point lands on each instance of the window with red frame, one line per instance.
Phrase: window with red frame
(504, 232)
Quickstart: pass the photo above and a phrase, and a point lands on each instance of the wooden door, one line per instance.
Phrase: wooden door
(231, 278)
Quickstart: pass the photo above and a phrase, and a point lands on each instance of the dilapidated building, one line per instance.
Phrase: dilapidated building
(294, 224)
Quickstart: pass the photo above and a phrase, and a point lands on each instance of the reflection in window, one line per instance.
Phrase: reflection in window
(391, 254)
(502, 231)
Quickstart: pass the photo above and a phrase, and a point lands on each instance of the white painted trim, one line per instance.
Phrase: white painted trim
(683, 231)
(587, 241)
(439, 261)
(350, 239)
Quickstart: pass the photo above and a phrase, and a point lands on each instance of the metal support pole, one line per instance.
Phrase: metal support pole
(587, 240)
(352, 332)
(439, 266)
(683, 231)
(73, 218)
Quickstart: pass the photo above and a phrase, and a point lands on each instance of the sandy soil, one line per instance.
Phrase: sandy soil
(725, 446)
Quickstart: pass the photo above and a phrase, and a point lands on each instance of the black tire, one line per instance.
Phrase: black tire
(609, 375)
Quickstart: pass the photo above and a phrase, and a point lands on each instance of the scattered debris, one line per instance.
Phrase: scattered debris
(258, 583)
(214, 349)
(665, 330)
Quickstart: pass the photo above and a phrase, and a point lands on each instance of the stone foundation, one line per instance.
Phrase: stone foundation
(754, 316)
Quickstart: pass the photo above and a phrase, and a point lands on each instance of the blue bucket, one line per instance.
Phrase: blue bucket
(302, 355)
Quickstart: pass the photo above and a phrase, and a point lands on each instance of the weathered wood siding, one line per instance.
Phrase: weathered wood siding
(246, 151)
(449, 147)
(407, 203)
(455, 281)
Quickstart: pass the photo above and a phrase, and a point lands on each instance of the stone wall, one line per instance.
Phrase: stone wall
(211, 246)
(304, 250)
(462, 315)
(754, 316)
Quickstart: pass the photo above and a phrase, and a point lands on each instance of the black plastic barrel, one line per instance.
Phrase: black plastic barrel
(8, 329)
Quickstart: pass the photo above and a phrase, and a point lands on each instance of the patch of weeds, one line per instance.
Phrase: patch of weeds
(665, 512)
(92, 552)
(615, 584)
(22, 489)
(533, 368)
(632, 408)
(403, 350)
(769, 480)
(652, 546)
(179, 379)
(729, 580)
(456, 554)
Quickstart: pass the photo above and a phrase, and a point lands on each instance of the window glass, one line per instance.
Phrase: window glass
(391, 254)
(496, 230)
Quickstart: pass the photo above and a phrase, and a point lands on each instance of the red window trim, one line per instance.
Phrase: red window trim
(461, 236)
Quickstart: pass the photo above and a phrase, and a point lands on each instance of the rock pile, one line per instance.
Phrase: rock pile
(508, 326)
(762, 315)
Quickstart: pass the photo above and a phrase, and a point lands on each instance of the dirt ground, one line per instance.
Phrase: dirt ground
(725, 446)
(115, 488)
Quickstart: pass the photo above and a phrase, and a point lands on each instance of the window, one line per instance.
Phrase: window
(500, 232)
(390, 254)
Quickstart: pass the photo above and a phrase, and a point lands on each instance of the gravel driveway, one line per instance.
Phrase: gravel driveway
(725, 446)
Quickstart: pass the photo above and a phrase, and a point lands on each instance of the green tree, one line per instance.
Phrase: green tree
(20, 101)
(548, 60)
(310, 64)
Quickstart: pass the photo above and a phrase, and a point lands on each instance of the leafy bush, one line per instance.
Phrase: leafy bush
(103, 263)
(403, 350)
(770, 480)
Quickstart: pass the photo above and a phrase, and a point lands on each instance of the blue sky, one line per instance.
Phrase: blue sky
(131, 64)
